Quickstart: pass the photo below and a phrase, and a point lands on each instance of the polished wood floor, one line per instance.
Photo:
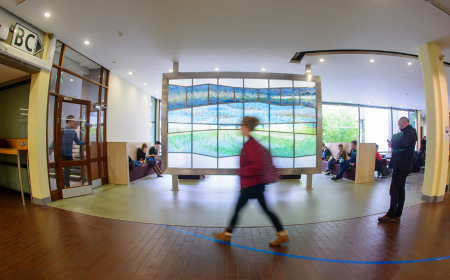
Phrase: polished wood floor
(49, 243)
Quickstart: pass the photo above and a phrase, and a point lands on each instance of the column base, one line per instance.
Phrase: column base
(42, 201)
(433, 199)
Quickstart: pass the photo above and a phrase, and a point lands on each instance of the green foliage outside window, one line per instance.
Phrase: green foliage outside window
(340, 124)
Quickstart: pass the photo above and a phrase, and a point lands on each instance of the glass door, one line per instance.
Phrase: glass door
(73, 132)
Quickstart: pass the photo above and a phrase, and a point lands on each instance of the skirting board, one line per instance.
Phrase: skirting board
(96, 183)
(42, 201)
(432, 199)
(77, 191)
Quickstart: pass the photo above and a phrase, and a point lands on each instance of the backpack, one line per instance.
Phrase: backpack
(131, 164)
(384, 170)
(416, 165)
(268, 172)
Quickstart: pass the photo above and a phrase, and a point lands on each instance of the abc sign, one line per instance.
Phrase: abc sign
(26, 40)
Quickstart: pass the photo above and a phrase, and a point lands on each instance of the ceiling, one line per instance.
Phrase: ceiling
(247, 35)
(7, 73)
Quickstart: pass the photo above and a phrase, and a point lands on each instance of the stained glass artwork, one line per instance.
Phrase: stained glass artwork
(231, 113)
(308, 96)
(180, 116)
(198, 127)
(305, 114)
(226, 94)
(305, 128)
(200, 95)
(275, 96)
(305, 145)
(282, 144)
(230, 143)
(229, 127)
(190, 96)
(205, 143)
(179, 143)
(288, 94)
(257, 110)
(213, 94)
(282, 127)
(264, 95)
(176, 97)
(281, 114)
(263, 127)
(250, 94)
(178, 127)
(239, 95)
(262, 137)
(205, 114)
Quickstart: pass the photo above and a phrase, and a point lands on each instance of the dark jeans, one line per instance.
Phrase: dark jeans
(66, 172)
(253, 192)
(345, 165)
(397, 192)
(330, 163)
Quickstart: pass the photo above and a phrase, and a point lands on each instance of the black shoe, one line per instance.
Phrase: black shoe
(397, 217)
(334, 178)
(385, 218)
(327, 173)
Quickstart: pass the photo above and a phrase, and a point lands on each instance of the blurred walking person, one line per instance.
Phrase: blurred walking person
(256, 171)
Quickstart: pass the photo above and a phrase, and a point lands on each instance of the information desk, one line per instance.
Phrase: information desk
(16, 149)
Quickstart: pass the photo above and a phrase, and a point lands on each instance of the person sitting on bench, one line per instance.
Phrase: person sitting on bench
(379, 161)
(346, 165)
(141, 155)
(325, 152)
(340, 155)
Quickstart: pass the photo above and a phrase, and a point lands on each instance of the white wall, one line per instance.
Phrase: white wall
(128, 116)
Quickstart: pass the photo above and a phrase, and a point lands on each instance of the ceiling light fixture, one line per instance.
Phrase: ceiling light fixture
(328, 99)
(409, 63)
(368, 103)
(349, 102)
(217, 69)
(129, 73)
(263, 69)
(401, 106)
(47, 14)
(145, 84)
(170, 70)
(156, 91)
(86, 42)
(71, 80)
(372, 60)
(322, 60)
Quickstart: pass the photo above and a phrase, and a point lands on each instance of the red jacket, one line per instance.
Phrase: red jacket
(251, 164)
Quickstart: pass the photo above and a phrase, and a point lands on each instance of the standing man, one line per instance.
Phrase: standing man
(403, 145)
(68, 136)
(154, 151)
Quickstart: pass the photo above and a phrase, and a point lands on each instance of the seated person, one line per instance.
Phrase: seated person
(340, 155)
(379, 161)
(154, 151)
(347, 164)
(325, 152)
(141, 155)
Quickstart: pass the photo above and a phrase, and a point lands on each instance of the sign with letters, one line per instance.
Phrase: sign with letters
(26, 40)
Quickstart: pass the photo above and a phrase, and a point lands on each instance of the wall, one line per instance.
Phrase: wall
(128, 115)
(13, 125)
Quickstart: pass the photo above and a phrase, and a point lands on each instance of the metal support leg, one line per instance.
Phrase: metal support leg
(309, 182)
(20, 178)
(175, 182)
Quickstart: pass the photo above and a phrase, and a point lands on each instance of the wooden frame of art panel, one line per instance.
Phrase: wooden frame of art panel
(218, 95)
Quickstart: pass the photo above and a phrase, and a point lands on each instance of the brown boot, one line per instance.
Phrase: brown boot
(223, 236)
(157, 171)
(282, 238)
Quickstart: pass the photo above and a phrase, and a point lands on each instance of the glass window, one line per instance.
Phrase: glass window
(51, 128)
(52, 177)
(57, 55)
(102, 132)
(93, 130)
(105, 77)
(412, 119)
(81, 65)
(75, 176)
(103, 97)
(340, 123)
(75, 87)
(53, 79)
(374, 127)
(396, 115)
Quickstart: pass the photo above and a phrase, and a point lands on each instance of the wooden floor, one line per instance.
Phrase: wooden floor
(50, 243)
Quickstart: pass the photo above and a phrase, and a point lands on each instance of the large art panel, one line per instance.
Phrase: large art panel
(230, 143)
(205, 143)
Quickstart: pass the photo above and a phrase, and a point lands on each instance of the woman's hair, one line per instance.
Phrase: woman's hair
(341, 145)
(250, 122)
(144, 145)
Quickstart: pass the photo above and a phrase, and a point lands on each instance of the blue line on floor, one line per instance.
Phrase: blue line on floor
(308, 258)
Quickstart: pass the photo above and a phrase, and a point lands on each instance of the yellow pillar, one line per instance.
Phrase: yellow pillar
(436, 100)
(37, 134)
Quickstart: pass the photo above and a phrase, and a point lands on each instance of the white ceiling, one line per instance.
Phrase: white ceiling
(7, 73)
(237, 35)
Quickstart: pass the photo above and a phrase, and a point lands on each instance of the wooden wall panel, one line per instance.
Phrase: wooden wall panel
(117, 163)
(365, 163)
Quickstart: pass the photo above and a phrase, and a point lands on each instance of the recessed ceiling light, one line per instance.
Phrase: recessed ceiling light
(170, 70)
(368, 103)
(114, 62)
(372, 60)
(217, 69)
(156, 91)
(263, 69)
(409, 63)
(145, 84)
(71, 80)
(401, 106)
(129, 73)
(47, 14)
(322, 60)
(350, 102)
(414, 108)
(328, 99)
(86, 42)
